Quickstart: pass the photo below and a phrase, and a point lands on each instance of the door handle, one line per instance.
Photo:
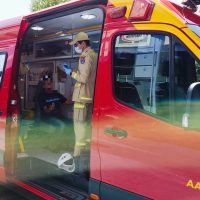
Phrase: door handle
(1, 112)
(116, 132)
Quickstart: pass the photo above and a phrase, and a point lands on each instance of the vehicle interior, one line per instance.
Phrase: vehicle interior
(142, 75)
(45, 48)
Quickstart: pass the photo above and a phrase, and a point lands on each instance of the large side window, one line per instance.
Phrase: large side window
(186, 72)
(141, 72)
(2, 64)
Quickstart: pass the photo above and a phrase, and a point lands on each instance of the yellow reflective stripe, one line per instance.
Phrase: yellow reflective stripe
(21, 145)
(79, 105)
(74, 75)
(77, 85)
(86, 98)
(80, 144)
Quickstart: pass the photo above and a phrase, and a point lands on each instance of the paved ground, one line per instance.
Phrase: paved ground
(6, 194)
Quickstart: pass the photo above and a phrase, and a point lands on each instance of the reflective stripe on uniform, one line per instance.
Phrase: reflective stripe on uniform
(80, 144)
(77, 85)
(79, 105)
(21, 145)
(86, 99)
(74, 75)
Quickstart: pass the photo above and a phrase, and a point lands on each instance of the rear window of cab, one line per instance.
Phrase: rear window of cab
(2, 64)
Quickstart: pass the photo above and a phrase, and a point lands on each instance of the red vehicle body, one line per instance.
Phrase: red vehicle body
(150, 151)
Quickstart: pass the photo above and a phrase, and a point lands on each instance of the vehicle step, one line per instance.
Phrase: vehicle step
(59, 190)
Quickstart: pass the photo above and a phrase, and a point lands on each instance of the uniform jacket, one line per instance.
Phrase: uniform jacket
(85, 76)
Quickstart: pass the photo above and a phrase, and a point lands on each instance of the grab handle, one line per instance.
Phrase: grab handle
(116, 132)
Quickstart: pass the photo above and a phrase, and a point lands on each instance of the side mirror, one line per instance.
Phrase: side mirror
(191, 118)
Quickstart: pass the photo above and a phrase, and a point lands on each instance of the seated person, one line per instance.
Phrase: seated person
(50, 100)
(49, 103)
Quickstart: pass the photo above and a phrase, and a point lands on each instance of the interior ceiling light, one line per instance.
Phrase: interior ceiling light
(59, 32)
(37, 28)
(88, 16)
(63, 34)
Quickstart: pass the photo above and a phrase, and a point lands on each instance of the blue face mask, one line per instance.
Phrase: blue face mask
(79, 51)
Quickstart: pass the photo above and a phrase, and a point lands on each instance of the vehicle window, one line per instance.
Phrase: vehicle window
(2, 63)
(187, 71)
(141, 72)
(195, 28)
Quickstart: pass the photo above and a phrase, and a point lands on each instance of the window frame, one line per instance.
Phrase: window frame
(113, 53)
(173, 40)
(171, 72)
(3, 67)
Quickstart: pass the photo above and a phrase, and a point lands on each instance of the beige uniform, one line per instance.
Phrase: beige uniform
(83, 97)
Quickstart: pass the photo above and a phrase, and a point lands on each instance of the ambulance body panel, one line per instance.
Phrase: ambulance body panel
(145, 134)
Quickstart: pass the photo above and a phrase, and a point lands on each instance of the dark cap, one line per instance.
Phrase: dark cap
(46, 77)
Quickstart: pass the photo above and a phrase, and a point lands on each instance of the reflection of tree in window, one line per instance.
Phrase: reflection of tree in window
(197, 66)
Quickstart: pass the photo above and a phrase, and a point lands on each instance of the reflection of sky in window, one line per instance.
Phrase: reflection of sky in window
(195, 29)
(179, 47)
(2, 60)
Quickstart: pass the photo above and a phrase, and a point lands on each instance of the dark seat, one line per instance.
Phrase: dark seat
(125, 91)
(128, 93)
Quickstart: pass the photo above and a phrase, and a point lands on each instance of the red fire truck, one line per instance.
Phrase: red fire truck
(145, 139)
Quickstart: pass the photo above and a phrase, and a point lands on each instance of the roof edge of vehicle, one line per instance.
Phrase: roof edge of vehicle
(57, 8)
(164, 5)
(15, 21)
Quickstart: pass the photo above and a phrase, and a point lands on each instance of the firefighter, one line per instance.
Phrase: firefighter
(83, 90)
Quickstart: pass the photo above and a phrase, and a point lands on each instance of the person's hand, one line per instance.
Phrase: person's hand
(67, 69)
(49, 108)
(52, 107)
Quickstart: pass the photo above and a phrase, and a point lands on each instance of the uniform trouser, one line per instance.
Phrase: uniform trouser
(82, 126)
